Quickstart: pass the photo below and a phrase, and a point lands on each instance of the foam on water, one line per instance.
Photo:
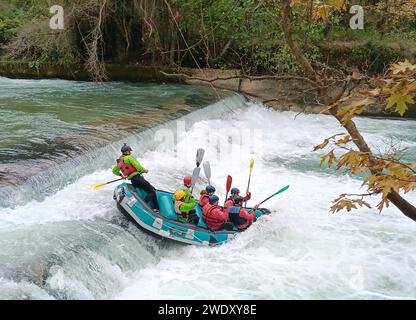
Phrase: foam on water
(300, 251)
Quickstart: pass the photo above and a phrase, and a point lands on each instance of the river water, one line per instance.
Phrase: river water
(60, 240)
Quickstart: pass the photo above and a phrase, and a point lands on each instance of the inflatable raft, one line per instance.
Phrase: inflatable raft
(164, 223)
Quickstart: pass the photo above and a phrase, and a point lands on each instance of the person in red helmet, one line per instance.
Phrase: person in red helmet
(235, 192)
(239, 216)
(187, 182)
(214, 216)
(129, 168)
(205, 194)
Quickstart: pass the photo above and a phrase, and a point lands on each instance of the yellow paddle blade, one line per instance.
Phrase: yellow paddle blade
(251, 165)
(97, 186)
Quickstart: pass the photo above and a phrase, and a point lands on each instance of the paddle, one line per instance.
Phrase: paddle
(228, 186)
(199, 156)
(99, 185)
(195, 174)
(249, 178)
(275, 194)
(207, 171)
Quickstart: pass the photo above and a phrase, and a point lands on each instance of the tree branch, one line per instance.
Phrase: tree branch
(251, 78)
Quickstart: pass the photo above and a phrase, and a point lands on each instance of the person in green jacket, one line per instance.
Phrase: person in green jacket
(185, 210)
(129, 168)
(187, 182)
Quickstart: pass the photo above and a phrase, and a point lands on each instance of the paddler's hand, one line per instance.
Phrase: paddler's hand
(146, 171)
(256, 207)
(124, 177)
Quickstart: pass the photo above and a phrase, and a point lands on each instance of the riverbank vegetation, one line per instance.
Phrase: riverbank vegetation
(245, 35)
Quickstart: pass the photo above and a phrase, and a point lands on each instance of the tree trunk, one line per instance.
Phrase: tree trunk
(403, 205)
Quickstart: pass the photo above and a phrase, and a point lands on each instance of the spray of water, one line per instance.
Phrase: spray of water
(81, 246)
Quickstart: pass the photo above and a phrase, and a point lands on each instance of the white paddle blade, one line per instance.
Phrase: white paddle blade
(199, 156)
(207, 170)
(195, 176)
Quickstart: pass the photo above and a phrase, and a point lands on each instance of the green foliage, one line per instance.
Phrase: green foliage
(254, 29)
(34, 65)
(8, 28)
(219, 33)
(373, 57)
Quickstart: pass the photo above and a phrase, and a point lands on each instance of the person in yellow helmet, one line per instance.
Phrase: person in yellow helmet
(185, 210)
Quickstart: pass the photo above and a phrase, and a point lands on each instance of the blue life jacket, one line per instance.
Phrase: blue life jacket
(234, 214)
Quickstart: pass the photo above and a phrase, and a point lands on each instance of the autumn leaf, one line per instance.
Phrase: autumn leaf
(362, 203)
(411, 87)
(338, 4)
(342, 205)
(357, 107)
(322, 145)
(401, 67)
(378, 82)
(321, 12)
(376, 92)
(378, 165)
(345, 140)
(323, 159)
(400, 101)
(384, 201)
(331, 158)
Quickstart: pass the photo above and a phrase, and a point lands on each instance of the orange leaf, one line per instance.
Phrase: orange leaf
(401, 67)
(337, 4)
(321, 12)
(331, 158)
(345, 140)
(322, 145)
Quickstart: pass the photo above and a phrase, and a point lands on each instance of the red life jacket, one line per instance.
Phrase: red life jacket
(126, 169)
(213, 216)
(203, 201)
(229, 202)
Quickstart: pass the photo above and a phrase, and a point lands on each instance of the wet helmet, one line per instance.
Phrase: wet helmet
(125, 148)
(213, 199)
(187, 181)
(238, 199)
(180, 194)
(235, 191)
(210, 189)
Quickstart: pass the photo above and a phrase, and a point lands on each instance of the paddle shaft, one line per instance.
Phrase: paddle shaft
(275, 194)
(249, 179)
(97, 186)
(267, 199)
(248, 187)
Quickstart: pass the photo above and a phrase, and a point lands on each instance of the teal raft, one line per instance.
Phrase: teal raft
(164, 224)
